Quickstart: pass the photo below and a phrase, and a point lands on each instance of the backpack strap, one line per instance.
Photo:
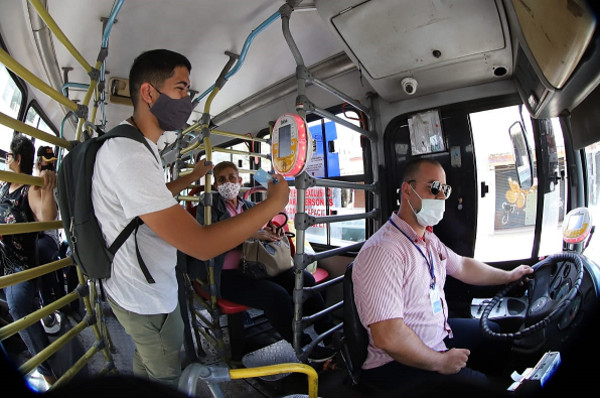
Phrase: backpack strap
(132, 227)
(128, 131)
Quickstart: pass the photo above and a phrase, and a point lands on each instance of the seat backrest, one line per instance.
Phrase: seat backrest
(355, 335)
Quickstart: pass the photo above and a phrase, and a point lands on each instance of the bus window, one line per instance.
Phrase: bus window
(34, 118)
(242, 161)
(551, 241)
(11, 98)
(506, 213)
(592, 157)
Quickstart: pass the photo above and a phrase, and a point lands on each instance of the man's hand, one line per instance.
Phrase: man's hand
(519, 273)
(266, 235)
(453, 361)
(201, 169)
(49, 181)
(278, 194)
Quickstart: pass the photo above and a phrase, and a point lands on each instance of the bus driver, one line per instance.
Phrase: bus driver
(399, 276)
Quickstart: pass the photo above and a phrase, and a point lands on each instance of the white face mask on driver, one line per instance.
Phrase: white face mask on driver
(432, 211)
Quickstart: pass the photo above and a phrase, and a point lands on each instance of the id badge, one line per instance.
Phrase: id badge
(436, 302)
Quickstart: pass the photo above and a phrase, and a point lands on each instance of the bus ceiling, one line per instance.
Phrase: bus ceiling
(415, 48)
(400, 50)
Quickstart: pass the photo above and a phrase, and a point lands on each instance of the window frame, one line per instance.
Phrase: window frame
(36, 107)
(21, 85)
(365, 177)
(465, 108)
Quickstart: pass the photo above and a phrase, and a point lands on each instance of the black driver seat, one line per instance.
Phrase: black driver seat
(356, 339)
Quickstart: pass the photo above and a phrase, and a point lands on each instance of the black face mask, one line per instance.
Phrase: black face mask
(47, 167)
(172, 113)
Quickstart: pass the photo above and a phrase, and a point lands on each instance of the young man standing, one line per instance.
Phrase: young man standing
(128, 182)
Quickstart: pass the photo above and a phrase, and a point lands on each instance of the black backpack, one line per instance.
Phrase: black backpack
(81, 226)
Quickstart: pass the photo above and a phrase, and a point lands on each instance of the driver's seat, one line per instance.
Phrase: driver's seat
(356, 339)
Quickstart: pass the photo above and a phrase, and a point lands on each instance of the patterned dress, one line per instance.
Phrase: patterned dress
(18, 252)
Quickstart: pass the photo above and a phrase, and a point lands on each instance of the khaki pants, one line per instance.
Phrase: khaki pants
(158, 339)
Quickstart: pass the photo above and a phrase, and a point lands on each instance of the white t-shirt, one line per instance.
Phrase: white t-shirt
(129, 182)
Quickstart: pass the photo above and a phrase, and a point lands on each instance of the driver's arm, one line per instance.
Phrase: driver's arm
(475, 272)
(401, 343)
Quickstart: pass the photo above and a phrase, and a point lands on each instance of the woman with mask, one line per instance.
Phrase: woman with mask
(273, 295)
(24, 203)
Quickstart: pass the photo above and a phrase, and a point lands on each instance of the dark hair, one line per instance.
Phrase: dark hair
(222, 166)
(23, 147)
(154, 67)
(412, 168)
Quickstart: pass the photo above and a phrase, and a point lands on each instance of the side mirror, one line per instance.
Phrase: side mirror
(522, 153)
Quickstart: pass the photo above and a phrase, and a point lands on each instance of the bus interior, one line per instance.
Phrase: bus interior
(503, 93)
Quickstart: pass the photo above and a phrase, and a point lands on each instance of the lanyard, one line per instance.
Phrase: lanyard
(429, 262)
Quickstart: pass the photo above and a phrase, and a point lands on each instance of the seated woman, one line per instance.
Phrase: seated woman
(22, 203)
(273, 295)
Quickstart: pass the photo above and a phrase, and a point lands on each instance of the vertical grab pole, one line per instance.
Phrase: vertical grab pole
(286, 12)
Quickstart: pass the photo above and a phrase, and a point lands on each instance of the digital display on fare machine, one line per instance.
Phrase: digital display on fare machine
(291, 145)
(577, 225)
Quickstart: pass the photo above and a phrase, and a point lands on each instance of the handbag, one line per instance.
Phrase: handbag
(262, 259)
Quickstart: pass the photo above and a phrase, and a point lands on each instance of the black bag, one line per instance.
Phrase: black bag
(80, 224)
(263, 259)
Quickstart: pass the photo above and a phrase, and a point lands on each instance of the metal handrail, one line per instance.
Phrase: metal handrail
(242, 57)
(27, 227)
(32, 273)
(55, 29)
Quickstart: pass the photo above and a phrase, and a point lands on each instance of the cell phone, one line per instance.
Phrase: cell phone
(263, 178)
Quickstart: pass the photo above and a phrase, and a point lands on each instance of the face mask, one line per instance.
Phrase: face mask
(229, 190)
(172, 113)
(432, 211)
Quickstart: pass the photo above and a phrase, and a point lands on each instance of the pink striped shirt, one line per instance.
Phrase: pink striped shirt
(392, 280)
(232, 259)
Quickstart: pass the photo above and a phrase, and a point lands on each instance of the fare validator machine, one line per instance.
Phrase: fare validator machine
(577, 226)
(292, 147)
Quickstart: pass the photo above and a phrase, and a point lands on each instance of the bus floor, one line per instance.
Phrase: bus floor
(330, 381)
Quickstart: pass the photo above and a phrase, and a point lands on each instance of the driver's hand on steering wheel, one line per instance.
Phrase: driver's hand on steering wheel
(519, 272)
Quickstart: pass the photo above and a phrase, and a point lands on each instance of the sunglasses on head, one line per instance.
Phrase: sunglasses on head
(436, 187)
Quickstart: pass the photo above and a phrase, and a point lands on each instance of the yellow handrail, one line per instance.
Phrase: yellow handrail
(43, 13)
(36, 82)
(241, 137)
(35, 316)
(52, 348)
(313, 378)
(27, 227)
(32, 131)
(21, 178)
(32, 273)
(77, 366)
(86, 102)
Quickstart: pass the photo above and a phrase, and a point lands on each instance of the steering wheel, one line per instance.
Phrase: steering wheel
(549, 294)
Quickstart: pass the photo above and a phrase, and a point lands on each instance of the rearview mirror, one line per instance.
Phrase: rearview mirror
(523, 163)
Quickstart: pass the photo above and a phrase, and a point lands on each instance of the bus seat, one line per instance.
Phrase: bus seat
(225, 306)
(355, 335)
(356, 340)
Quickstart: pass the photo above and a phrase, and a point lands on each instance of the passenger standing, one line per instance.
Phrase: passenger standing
(24, 203)
(129, 182)
(48, 244)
